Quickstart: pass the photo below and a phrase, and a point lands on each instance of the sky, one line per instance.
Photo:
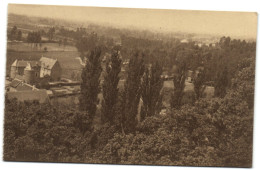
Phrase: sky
(237, 24)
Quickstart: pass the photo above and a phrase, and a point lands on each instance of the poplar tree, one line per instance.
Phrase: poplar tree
(151, 90)
(179, 85)
(19, 35)
(132, 93)
(110, 88)
(221, 83)
(199, 86)
(90, 84)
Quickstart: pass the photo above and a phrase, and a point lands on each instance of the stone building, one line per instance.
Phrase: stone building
(18, 68)
(32, 72)
(50, 67)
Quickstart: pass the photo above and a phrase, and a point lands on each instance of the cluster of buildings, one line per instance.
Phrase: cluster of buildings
(38, 80)
(41, 80)
(33, 72)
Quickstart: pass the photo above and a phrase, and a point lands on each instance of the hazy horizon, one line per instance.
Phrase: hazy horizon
(236, 24)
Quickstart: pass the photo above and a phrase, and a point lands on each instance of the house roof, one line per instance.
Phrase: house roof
(15, 63)
(34, 63)
(24, 87)
(44, 62)
(15, 83)
(39, 95)
(47, 62)
(28, 67)
(23, 63)
(20, 86)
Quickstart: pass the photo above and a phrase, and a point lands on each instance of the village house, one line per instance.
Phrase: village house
(19, 85)
(18, 89)
(32, 72)
(50, 67)
(18, 67)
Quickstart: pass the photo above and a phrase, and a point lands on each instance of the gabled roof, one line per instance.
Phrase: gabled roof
(34, 63)
(14, 63)
(47, 62)
(28, 67)
(39, 95)
(23, 63)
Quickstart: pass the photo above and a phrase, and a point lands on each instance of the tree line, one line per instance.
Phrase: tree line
(14, 34)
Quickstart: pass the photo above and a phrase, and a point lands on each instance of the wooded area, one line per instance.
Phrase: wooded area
(206, 132)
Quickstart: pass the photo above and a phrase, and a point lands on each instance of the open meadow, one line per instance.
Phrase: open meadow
(22, 46)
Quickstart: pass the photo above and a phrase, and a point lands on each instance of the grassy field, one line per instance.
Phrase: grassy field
(25, 47)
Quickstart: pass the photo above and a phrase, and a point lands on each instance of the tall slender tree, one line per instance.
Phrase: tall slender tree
(151, 90)
(19, 35)
(110, 89)
(132, 92)
(51, 33)
(199, 86)
(221, 83)
(13, 33)
(179, 85)
(90, 84)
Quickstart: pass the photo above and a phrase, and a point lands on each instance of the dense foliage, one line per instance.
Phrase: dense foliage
(34, 38)
(216, 132)
(14, 34)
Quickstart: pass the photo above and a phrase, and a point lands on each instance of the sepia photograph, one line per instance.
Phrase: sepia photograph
(129, 86)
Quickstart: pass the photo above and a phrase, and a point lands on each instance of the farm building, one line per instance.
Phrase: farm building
(19, 85)
(50, 67)
(32, 72)
(18, 67)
